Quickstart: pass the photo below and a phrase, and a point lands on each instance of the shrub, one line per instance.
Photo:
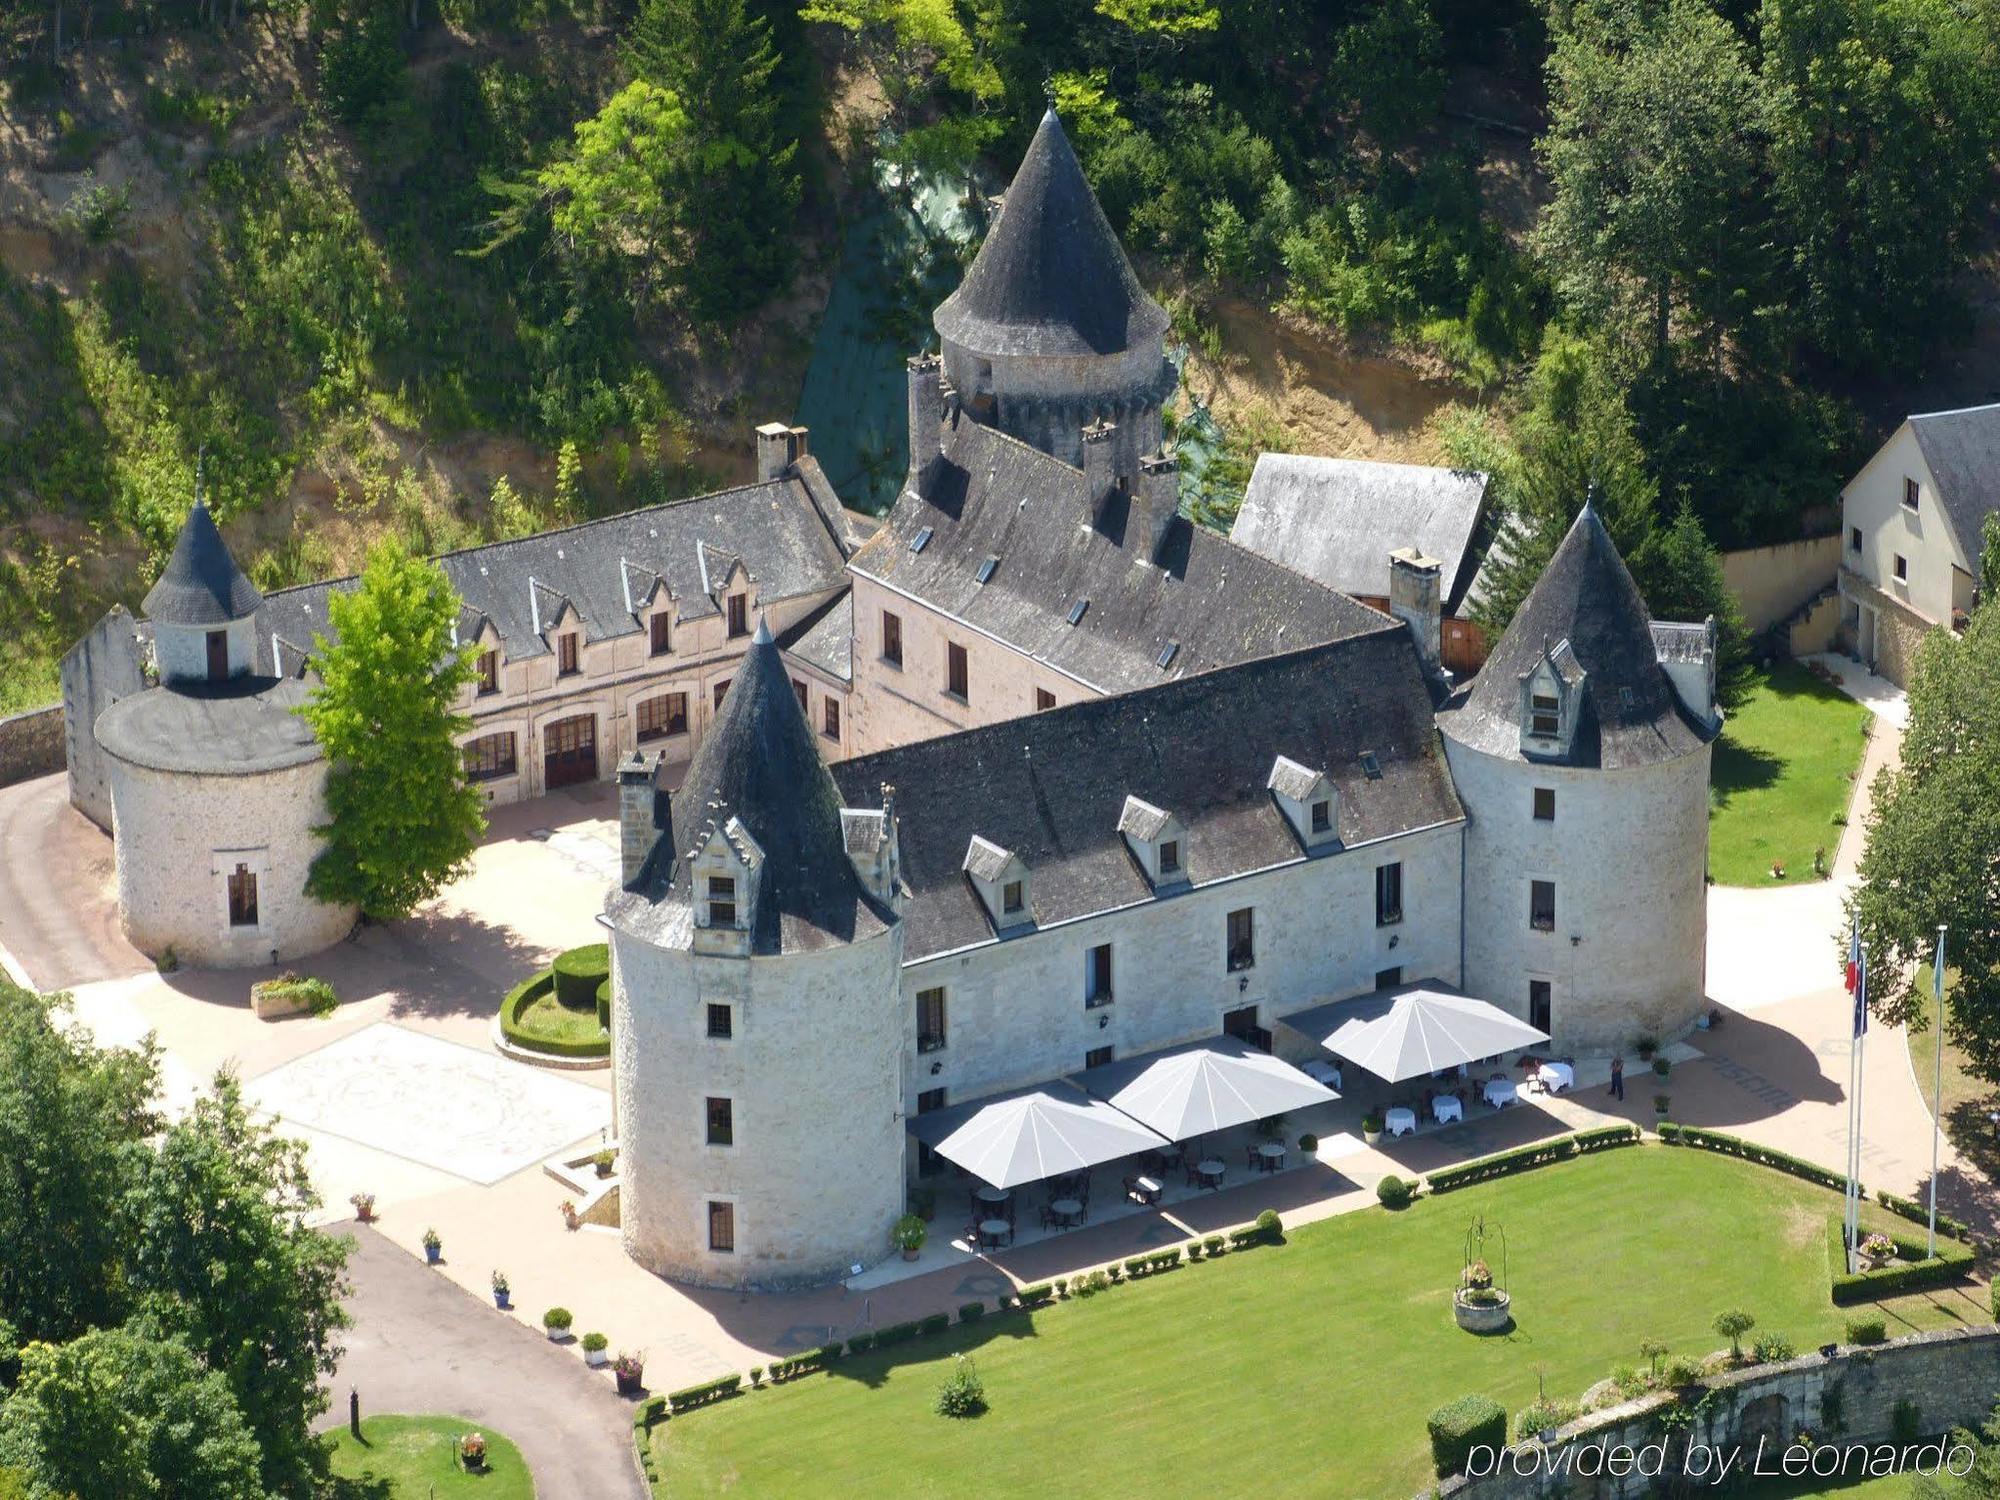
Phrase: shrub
(556, 1319)
(910, 1233)
(1269, 1227)
(1465, 1424)
(895, 1333)
(1681, 1371)
(604, 1002)
(519, 999)
(578, 974)
(1732, 1324)
(1097, 1282)
(1735, 1145)
(1194, 1253)
(971, 1312)
(1993, 1300)
(1662, 1067)
(1308, 1143)
(1393, 1192)
(1772, 1349)
(1919, 1213)
(1543, 1415)
(594, 1342)
(804, 1363)
(861, 1343)
(1137, 1266)
(756, 1374)
(1164, 1260)
(935, 1323)
(700, 1395)
(1213, 1244)
(1522, 1158)
(1872, 1328)
(1911, 1271)
(961, 1393)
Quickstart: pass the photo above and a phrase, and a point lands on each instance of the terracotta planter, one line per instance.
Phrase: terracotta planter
(1482, 1317)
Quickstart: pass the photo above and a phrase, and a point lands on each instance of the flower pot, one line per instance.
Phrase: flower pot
(1482, 1317)
(557, 1335)
(500, 1300)
(432, 1253)
(1371, 1137)
(596, 1357)
(909, 1252)
(628, 1385)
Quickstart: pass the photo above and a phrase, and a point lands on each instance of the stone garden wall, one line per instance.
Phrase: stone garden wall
(1750, 1418)
(31, 744)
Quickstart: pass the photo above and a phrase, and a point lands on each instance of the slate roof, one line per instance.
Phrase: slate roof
(1292, 779)
(986, 860)
(1962, 450)
(201, 584)
(1051, 786)
(1586, 611)
(777, 528)
(825, 638)
(1141, 820)
(1337, 519)
(995, 496)
(759, 765)
(237, 727)
(1051, 278)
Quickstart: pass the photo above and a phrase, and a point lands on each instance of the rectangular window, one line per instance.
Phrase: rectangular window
(1902, 568)
(722, 900)
(1388, 894)
(1097, 977)
(930, 1101)
(721, 1122)
(1854, 539)
(661, 641)
(218, 656)
(930, 1020)
(892, 639)
(566, 654)
(739, 615)
(804, 695)
(489, 756)
(1545, 804)
(1910, 493)
(1322, 816)
(1539, 993)
(1542, 905)
(957, 677)
(242, 897)
(1170, 856)
(1011, 898)
(721, 1022)
(489, 672)
(1389, 978)
(830, 719)
(721, 689)
(1546, 711)
(722, 1228)
(657, 718)
(1044, 700)
(1242, 939)
(1097, 1057)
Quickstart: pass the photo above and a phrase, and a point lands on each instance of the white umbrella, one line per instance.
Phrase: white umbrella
(1211, 1085)
(1037, 1135)
(1414, 1031)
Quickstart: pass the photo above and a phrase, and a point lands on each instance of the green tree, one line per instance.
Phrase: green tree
(737, 161)
(402, 821)
(116, 1413)
(912, 46)
(1933, 833)
(616, 193)
(1732, 1324)
(1989, 558)
(1981, 1481)
(73, 1126)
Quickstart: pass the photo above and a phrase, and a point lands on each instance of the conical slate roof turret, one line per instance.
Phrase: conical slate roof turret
(1585, 597)
(1051, 279)
(759, 765)
(201, 584)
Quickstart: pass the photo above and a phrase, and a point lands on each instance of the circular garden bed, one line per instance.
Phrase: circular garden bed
(565, 1009)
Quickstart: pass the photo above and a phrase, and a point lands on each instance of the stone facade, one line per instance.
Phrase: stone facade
(107, 664)
(1846, 1400)
(1627, 852)
(1883, 630)
(179, 836)
(31, 744)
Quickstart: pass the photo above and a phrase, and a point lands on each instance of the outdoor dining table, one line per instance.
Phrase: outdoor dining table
(1272, 1155)
(1556, 1076)
(995, 1231)
(1068, 1210)
(1210, 1172)
(1400, 1121)
(1447, 1107)
(1498, 1092)
(992, 1196)
(1322, 1071)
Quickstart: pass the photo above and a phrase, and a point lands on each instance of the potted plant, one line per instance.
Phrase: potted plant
(364, 1207)
(1371, 1126)
(909, 1234)
(1309, 1146)
(1662, 1103)
(594, 1345)
(556, 1322)
(570, 1217)
(603, 1161)
(500, 1290)
(1646, 1047)
(1478, 1306)
(628, 1369)
(472, 1452)
(433, 1247)
(1876, 1251)
(1662, 1067)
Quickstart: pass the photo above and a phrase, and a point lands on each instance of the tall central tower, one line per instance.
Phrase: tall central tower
(1050, 331)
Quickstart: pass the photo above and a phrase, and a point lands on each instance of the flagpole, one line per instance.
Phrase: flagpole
(1937, 1088)
(1860, 1089)
(1847, 1187)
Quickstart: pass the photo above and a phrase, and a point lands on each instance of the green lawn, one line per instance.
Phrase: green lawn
(550, 1019)
(416, 1458)
(1307, 1368)
(1783, 770)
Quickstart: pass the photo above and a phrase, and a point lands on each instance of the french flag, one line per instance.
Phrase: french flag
(1857, 981)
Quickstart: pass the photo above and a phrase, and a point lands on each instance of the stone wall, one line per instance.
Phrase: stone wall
(1848, 1401)
(31, 744)
(1899, 630)
(107, 664)
(1770, 582)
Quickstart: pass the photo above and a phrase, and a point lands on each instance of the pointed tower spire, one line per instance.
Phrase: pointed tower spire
(201, 584)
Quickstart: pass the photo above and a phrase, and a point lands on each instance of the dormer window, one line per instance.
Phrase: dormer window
(661, 640)
(567, 654)
(739, 615)
(489, 672)
(1170, 856)
(1547, 715)
(1551, 699)
(1001, 881)
(1013, 901)
(1322, 816)
(1157, 839)
(1309, 801)
(722, 880)
(722, 900)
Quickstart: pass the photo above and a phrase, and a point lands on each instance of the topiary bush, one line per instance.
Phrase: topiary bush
(1270, 1229)
(1467, 1423)
(1393, 1192)
(578, 974)
(1872, 1328)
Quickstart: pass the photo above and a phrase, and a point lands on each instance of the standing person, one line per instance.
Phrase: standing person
(1618, 1078)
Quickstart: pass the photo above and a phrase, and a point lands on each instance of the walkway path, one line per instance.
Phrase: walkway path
(419, 1344)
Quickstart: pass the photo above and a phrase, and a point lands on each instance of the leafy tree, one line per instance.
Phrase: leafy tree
(737, 163)
(912, 46)
(1933, 851)
(402, 821)
(1732, 1325)
(73, 1123)
(116, 1413)
(1989, 558)
(1981, 1481)
(616, 193)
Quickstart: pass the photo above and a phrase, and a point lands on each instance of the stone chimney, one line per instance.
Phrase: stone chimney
(1157, 502)
(1100, 465)
(1416, 597)
(779, 446)
(926, 414)
(638, 811)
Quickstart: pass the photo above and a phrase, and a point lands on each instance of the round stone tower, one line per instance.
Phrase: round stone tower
(1050, 331)
(757, 1020)
(1581, 754)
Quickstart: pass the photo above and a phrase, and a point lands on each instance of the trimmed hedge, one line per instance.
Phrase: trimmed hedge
(1919, 1213)
(579, 972)
(971, 1312)
(1037, 1294)
(803, 1363)
(1522, 1158)
(1910, 1272)
(1735, 1145)
(525, 994)
(1870, 1329)
(701, 1395)
(604, 1002)
(1146, 1265)
(1461, 1426)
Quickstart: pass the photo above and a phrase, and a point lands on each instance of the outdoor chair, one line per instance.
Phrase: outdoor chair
(1049, 1217)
